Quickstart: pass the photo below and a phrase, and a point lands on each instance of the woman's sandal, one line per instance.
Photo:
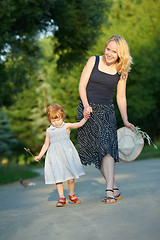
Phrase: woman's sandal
(110, 199)
(118, 197)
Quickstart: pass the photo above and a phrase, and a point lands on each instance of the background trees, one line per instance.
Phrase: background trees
(73, 23)
(44, 46)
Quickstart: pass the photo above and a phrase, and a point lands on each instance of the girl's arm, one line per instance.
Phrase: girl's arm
(122, 102)
(75, 125)
(44, 147)
(83, 84)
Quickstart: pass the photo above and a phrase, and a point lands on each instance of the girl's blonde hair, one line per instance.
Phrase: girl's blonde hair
(124, 61)
(55, 111)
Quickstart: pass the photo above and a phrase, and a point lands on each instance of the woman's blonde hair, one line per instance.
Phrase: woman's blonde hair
(55, 111)
(124, 61)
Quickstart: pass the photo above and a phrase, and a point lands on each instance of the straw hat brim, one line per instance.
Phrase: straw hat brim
(130, 144)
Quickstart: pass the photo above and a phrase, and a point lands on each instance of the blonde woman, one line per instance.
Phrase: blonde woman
(97, 139)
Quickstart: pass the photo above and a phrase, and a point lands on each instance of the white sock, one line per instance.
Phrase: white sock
(71, 194)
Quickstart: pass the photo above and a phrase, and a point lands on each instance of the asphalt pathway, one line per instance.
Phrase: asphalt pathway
(31, 214)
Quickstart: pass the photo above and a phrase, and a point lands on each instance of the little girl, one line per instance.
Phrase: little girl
(62, 162)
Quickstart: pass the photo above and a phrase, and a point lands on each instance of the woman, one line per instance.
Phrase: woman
(97, 139)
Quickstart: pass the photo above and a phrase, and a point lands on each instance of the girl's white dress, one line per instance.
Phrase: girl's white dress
(62, 161)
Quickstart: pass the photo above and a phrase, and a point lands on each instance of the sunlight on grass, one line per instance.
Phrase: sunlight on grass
(12, 173)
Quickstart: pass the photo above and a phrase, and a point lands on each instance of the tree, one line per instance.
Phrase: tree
(22, 22)
(8, 142)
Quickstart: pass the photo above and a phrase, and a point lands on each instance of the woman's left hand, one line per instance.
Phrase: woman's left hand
(129, 125)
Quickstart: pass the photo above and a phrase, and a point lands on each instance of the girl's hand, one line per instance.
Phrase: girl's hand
(86, 112)
(129, 125)
(37, 158)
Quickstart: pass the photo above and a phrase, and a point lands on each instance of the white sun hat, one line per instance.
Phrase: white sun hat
(130, 144)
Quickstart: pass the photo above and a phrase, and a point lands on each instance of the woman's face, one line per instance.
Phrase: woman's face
(110, 53)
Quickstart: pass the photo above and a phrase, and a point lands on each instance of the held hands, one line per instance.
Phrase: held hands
(129, 125)
(86, 112)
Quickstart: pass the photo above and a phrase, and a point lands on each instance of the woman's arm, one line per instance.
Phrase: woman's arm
(75, 125)
(83, 84)
(44, 147)
(122, 102)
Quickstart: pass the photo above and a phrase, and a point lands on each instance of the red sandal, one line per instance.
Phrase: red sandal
(61, 202)
(74, 200)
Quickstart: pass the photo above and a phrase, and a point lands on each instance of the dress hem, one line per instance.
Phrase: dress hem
(65, 180)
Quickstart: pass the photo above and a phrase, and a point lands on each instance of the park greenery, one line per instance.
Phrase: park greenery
(44, 45)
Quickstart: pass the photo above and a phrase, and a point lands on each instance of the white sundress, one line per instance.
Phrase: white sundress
(62, 161)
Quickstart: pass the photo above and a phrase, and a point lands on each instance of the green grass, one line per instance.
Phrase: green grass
(149, 152)
(12, 173)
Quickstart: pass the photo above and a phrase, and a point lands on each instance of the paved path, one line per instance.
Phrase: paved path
(30, 214)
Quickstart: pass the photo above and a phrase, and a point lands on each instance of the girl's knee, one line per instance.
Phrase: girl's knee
(71, 181)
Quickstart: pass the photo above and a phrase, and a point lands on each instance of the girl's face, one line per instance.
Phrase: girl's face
(110, 53)
(57, 122)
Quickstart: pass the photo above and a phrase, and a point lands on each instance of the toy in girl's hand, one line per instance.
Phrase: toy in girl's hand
(29, 151)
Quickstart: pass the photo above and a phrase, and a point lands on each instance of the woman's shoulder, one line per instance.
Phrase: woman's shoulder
(91, 61)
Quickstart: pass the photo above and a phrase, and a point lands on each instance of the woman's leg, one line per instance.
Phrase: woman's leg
(116, 192)
(107, 170)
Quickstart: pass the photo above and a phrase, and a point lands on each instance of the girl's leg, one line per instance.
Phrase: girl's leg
(71, 186)
(60, 189)
(72, 197)
(107, 170)
(62, 199)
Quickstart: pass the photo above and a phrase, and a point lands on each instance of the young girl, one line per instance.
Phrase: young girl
(62, 162)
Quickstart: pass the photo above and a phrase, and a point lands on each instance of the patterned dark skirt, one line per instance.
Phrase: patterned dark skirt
(98, 136)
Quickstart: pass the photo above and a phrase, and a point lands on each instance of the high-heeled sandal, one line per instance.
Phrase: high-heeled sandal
(119, 196)
(110, 198)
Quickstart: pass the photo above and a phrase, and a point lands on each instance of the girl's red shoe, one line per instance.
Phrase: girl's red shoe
(61, 202)
(73, 199)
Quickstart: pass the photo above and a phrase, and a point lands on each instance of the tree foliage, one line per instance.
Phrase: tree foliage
(75, 25)
(8, 142)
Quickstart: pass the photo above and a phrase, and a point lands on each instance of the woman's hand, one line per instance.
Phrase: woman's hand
(129, 125)
(87, 111)
(37, 158)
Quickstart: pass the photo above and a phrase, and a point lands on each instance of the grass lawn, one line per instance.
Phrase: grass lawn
(149, 152)
(12, 173)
